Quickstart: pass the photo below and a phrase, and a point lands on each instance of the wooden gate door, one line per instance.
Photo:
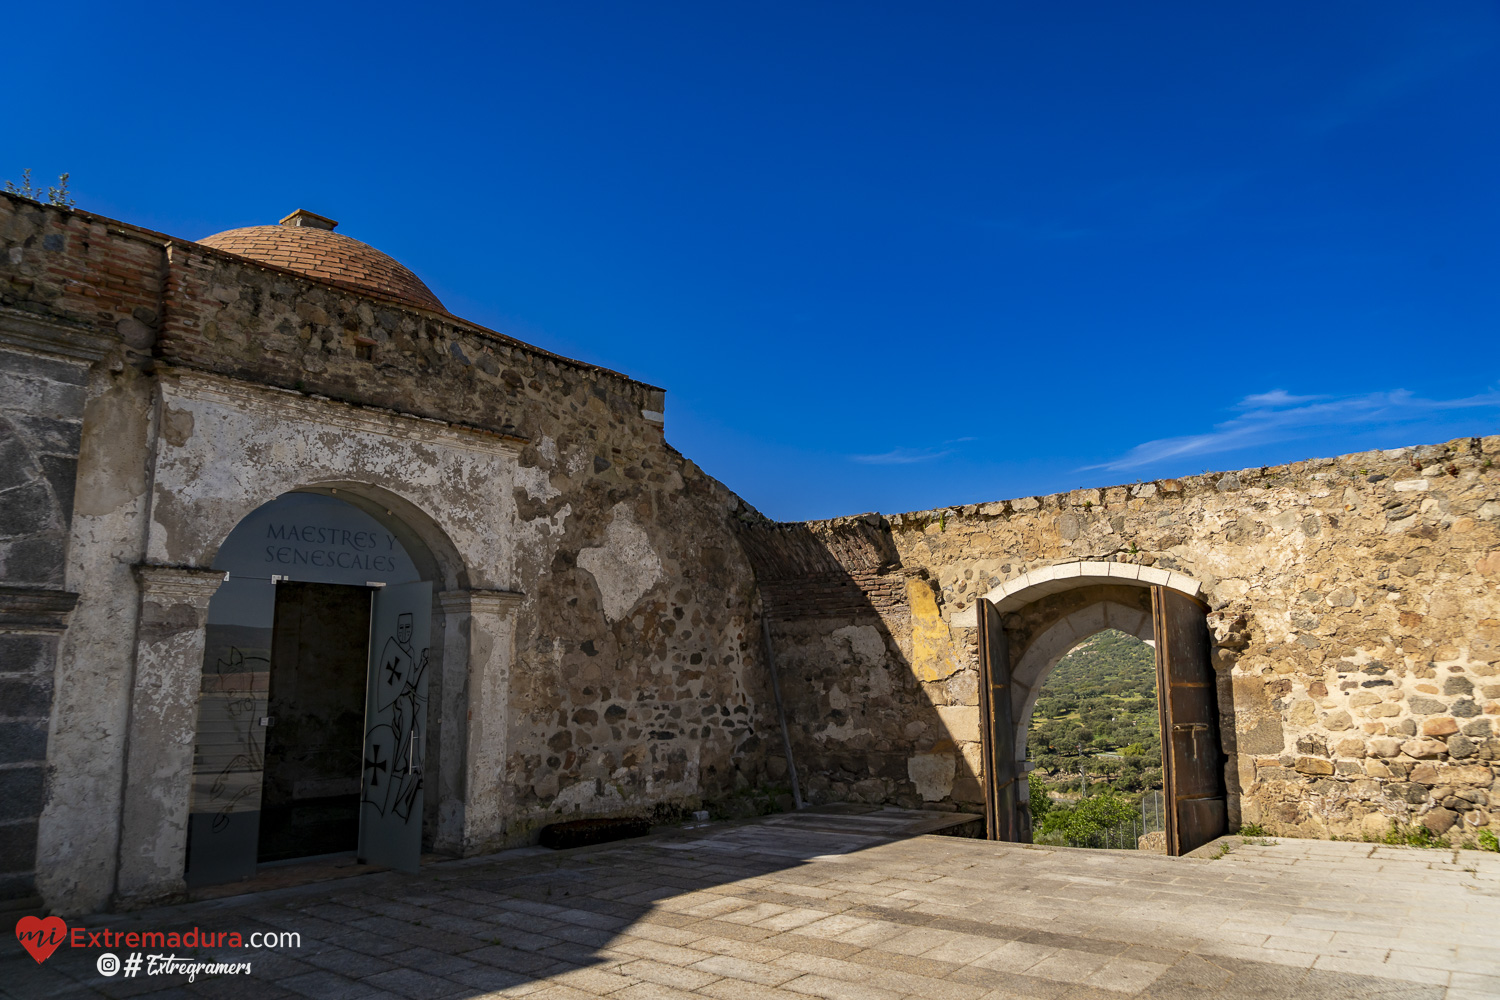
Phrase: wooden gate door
(1003, 819)
(1187, 702)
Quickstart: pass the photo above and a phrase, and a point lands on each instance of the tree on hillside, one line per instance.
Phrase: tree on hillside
(1095, 814)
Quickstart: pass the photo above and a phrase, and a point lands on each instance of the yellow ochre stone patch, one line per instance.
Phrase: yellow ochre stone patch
(932, 657)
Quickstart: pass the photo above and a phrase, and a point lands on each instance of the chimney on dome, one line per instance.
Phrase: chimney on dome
(302, 217)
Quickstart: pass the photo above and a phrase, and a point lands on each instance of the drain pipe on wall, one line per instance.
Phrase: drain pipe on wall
(786, 739)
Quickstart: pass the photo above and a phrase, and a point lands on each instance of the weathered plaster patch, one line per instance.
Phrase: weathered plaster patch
(865, 643)
(625, 567)
(932, 774)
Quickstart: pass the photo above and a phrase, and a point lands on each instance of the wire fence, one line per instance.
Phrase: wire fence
(1124, 837)
(1127, 836)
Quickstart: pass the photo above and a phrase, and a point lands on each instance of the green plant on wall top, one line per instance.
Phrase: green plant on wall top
(54, 195)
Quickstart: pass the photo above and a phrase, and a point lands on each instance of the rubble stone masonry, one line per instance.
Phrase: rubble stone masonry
(1355, 614)
(636, 686)
(1355, 601)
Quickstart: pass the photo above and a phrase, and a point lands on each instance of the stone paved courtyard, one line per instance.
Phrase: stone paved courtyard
(848, 906)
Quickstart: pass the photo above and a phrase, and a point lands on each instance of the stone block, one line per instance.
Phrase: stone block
(50, 435)
(1439, 820)
(25, 654)
(1408, 791)
(18, 846)
(1440, 726)
(20, 793)
(1423, 748)
(1469, 775)
(61, 472)
(13, 464)
(22, 697)
(1314, 765)
(1457, 684)
(17, 886)
(41, 397)
(26, 509)
(961, 722)
(1461, 747)
(36, 368)
(36, 560)
(23, 741)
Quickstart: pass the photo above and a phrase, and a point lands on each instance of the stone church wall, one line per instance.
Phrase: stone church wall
(1355, 615)
(637, 684)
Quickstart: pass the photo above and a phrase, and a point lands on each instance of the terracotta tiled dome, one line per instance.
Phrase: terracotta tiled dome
(306, 243)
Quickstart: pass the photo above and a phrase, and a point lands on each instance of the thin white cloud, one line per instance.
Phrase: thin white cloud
(1276, 397)
(1278, 416)
(900, 456)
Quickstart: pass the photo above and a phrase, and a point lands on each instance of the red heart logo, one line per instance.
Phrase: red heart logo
(41, 937)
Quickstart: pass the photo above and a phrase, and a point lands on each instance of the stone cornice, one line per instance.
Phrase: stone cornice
(185, 583)
(58, 338)
(493, 602)
(192, 384)
(35, 609)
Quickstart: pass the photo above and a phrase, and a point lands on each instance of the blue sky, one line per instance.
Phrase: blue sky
(882, 256)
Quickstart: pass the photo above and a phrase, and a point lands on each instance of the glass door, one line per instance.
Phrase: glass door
(390, 822)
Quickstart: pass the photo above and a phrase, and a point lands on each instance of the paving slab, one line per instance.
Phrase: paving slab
(853, 902)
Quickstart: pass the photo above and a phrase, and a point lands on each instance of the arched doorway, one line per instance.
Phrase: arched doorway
(1028, 625)
(313, 716)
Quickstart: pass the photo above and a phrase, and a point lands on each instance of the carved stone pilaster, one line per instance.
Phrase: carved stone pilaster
(163, 722)
(478, 649)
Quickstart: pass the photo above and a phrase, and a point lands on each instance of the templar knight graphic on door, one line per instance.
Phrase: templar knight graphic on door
(390, 817)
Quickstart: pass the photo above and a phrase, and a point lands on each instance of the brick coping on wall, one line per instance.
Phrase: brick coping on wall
(167, 241)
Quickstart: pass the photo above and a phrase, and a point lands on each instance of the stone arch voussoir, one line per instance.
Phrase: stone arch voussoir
(1065, 576)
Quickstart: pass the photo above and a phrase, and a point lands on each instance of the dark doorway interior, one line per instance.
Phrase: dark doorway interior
(319, 657)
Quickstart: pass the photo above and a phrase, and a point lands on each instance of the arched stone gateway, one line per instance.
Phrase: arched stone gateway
(1027, 626)
(288, 537)
(315, 727)
(1350, 608)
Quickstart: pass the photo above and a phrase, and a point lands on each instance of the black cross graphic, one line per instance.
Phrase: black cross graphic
(392, 674)
(375, 765)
